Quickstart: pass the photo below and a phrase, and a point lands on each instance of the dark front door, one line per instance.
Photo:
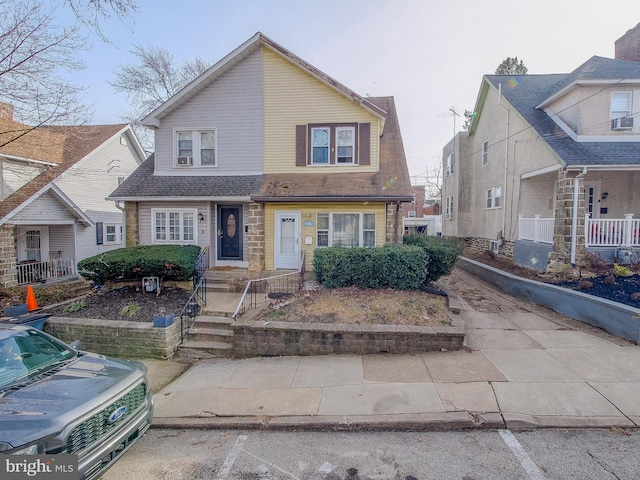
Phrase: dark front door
(229, 233)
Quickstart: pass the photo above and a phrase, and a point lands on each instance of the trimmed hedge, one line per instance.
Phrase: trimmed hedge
(390, 266)
(441, 254)
(167, 262)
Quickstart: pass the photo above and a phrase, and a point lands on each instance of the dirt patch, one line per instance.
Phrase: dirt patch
(128, 303)
(356, 306)
(603, 282)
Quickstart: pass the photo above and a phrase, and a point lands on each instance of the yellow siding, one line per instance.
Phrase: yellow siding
(292, 97)
(308, 211)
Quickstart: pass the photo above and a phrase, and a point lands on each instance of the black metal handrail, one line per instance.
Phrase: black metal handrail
(201, 265)
(193, 306)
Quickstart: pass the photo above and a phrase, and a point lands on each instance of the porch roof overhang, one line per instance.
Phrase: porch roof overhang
(603, 168)
(335, 198)
(64, 200)
(182, 198)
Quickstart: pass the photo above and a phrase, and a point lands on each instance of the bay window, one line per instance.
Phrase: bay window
(346, 229)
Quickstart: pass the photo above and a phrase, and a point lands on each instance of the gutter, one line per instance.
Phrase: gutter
(397, 199)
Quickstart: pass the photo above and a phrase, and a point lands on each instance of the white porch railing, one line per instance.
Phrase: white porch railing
(32, 272)
(614, 232)
(536, 229)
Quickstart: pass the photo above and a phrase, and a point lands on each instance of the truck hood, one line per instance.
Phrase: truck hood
(46, 405)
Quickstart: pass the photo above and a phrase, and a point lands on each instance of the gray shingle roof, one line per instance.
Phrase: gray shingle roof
(142, 183)
(527, 91)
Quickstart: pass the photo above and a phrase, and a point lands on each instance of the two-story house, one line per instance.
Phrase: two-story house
(265, 158)
(53, 187)
(550, 167)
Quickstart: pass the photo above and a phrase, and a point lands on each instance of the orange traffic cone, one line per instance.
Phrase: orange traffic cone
(32, 304)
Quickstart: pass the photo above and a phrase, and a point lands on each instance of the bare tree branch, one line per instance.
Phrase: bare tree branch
(154, 79)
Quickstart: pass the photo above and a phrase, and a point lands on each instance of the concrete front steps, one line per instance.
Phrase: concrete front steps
(209, 336)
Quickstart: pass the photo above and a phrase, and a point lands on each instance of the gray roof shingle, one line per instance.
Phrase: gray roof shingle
(527, 91)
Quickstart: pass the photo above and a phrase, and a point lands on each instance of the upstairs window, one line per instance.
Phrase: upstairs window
(450, 164)
(494, 197)
(333, 144)
(320, 145)
(485, 154)
(196, 148)
(621, 118)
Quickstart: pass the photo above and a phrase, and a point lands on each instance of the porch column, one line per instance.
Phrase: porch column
(132, 228)
(394, 224)
(563, 226)
(8, 273)
(255, 237)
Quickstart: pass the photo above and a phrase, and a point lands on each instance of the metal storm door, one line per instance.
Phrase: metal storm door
(287, 252)
(229, 233)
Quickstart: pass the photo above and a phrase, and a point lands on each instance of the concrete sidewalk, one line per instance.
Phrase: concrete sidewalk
(523, 366)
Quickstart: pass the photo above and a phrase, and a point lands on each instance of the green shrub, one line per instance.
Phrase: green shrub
(76, 306)
(391, 266)
(441, 254)
(167, 262)
(131, 309)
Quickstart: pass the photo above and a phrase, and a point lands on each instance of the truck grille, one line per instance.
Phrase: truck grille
(93, 429)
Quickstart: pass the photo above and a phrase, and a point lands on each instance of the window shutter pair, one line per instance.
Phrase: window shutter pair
(364, 145)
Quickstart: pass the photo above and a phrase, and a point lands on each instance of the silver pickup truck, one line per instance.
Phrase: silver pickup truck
(55, 399)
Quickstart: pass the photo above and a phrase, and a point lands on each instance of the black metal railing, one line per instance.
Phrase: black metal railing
(193, 307)
(270, 290)
(202, 263)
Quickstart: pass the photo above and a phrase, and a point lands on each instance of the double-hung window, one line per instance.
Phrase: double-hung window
(485, 154)
(450, 159)
(320, 139)
(346, 144)
(174, 226)
(449, 207)
(196, 148)
(112, 233)
(346, 229)
(494, 197)
(621, 118)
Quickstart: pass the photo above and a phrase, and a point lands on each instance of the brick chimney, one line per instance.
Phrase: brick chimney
(6, 111)
(628, 45)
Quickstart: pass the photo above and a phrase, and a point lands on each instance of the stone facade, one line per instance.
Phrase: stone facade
(117, 338)
(131, 219)
(562, 236)
(394, 224)
(8, 273)
(287, 338)
(255, 237)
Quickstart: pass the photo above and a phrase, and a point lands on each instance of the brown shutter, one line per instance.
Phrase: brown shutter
(301, 145)
(364, 143)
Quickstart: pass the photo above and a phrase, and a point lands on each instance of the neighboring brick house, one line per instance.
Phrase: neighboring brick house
(550, 167)
(264, 157)
(54, 181)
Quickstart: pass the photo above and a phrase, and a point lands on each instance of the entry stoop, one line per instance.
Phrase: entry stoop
(210, 336)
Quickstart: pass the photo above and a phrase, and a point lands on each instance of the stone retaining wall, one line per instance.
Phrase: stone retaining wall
(289, 338)
(116, 337)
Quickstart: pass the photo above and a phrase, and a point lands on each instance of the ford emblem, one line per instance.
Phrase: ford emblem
(117, 414)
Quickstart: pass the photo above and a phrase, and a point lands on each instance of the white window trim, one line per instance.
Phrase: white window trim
(493, 201)
(361, 229)
(353, 146)
(450, 168)
(449, 207)
(485, 153)
(118, 234)
(181, 211)
(328, 162)
(195, 138)
(411, 214)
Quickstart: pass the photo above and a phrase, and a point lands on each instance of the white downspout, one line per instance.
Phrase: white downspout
(506, 165)
(574, 220)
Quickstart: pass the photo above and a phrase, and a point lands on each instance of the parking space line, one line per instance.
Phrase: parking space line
(231, 458)
(532, 470)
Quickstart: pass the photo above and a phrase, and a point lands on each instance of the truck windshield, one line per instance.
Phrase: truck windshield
(26, 352)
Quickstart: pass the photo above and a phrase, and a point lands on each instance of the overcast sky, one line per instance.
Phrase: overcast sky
(429, 54)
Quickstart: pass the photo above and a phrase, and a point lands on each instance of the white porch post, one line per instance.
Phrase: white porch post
(628, 229)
